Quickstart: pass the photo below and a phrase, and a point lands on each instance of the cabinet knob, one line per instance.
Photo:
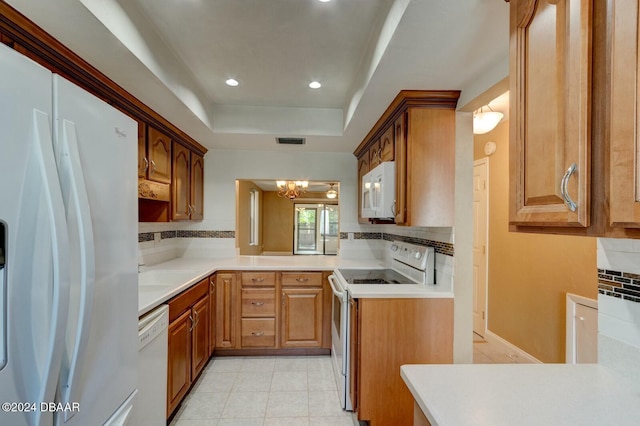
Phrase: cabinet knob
(257, 280)
(257, 333)
(302, 280)
(257, 303)
(153, 167)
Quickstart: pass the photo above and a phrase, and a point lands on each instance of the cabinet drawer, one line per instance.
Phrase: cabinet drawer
(187, 298)
(258, 332)
(302, 279)
(258, 302)
(260, 279)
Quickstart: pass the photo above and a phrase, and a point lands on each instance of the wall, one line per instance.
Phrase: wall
(277, 214)
(243, 217)
(529, 274)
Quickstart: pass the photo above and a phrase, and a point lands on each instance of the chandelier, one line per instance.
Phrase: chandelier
(291, 189)
(332, 193)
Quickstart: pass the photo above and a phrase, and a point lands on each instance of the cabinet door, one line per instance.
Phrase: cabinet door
(143, 161)
(363, 169)
(200, 336)
(226, 310)
(181, 191)
(375, 157)
(179, 360)
(401, 168)
(301, 317)
(197, 186)
(212, 314)
(387, 150)
(624, 171)
(159, 156)
(550, 112)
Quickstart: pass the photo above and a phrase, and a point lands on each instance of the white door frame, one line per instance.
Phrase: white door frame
(485, 162)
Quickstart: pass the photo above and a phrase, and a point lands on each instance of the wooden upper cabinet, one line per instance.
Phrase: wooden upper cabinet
(400, 146)
(363, 169)
(197, 187)
(550, 128)
(181, 207)
(387, 151)
(624, 181)
(143, 162)
(375, 157)
(159, 156)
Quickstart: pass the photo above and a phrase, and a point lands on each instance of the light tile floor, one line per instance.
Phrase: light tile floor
(280, 391)
(265, 391)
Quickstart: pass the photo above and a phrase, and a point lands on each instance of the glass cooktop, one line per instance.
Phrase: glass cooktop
(374, 276)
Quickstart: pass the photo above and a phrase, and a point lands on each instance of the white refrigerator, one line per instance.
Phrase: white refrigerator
(68, 252)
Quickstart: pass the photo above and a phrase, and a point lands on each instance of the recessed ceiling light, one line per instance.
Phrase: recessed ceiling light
(324, 1)
(315, 85)
(232, 82)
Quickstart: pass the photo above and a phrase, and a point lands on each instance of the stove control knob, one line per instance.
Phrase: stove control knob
(417, 255)
(394, 247)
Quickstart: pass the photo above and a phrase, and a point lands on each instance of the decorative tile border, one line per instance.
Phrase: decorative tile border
(148, 236)
(440, 247)
(622, 285)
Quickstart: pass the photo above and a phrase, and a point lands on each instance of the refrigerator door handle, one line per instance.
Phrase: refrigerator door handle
(43, 150)
(81, 227)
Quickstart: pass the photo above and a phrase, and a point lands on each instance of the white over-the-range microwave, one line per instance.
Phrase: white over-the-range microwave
(378, 192)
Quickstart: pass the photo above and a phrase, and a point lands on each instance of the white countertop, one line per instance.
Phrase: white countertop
(523, 394)
(161, 282)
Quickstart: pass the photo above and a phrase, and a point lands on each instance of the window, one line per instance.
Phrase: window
(254, 217)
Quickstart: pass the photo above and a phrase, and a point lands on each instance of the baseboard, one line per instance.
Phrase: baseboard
(510, 349)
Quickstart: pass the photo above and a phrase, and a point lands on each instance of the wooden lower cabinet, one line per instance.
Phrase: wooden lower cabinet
(389, 334)
(179, 358)
(212, 314)
(419, 419)
(302, 310)
(301, 317)
(200, 335)
(188, 345)
(226, 310)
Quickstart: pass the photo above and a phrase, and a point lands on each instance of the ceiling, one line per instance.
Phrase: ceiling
(175, 56)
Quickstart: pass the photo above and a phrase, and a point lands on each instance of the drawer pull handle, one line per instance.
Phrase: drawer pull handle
(302, 280)
(257, 333)
(257, 303)
(257, 280)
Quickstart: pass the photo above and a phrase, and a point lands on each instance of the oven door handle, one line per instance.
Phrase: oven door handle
(334, 287)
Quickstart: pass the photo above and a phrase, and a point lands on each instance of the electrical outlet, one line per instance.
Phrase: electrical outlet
(350, 236)
(156, 237)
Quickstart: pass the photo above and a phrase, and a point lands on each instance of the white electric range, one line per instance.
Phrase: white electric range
(412, 274)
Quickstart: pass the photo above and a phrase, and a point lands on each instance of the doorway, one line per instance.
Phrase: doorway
(480, 244)
(315, 229)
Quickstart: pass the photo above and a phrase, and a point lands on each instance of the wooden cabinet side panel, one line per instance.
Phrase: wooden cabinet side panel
(197, 187)
(159, 156)
(179, 361)
(419, 419)
(623, 167)
(226, 310)
(302, 317)
(326, 310)
(421, 332)
(181, 185)
(550, 111)
(430, 167)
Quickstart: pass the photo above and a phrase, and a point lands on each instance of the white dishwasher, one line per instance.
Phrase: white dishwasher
(151, 407)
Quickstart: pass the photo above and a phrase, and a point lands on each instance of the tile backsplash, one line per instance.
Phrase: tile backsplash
(619, 305)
